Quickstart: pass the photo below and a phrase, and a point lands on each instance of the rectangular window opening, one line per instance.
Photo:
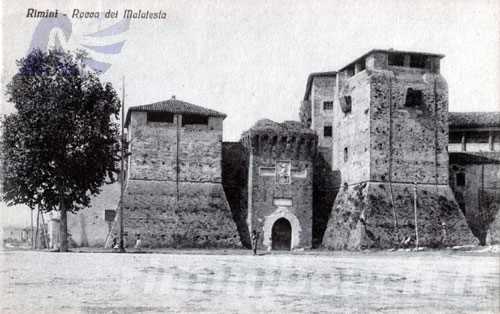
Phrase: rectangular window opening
(109, 214)
(414, 98)
(346, 154)
(396, 59)
(194, 119)
(418, 61)
(327, 131)
(160, 117)
(328, 105)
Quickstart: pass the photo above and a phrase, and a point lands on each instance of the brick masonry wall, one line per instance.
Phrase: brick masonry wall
(265, 190)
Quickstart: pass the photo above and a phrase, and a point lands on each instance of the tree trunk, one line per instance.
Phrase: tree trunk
(32, 230)
(63, 228)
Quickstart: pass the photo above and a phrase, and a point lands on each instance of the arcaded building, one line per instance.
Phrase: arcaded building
(474, 150)
(173, 195)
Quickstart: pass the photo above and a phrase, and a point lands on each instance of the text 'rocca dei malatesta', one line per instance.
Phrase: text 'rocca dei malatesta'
(83, 14)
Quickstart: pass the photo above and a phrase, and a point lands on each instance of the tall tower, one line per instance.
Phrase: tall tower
(390, 120)
(174, 195)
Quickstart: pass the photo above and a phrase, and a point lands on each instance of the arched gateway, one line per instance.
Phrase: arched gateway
(281, 235)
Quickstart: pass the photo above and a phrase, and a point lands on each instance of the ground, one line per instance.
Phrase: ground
(446, 281)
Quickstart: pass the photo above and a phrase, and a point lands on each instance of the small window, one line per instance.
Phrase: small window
(414, 98)
(346, 154)
(346, 104)
(327, 131)
(160, 117)
(109, 214)
(396, 59)
(328, 105)
(460, 179)
(194, 119)
(417, 61)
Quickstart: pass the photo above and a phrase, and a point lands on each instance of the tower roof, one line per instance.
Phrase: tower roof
(174, 106)
(391, 51)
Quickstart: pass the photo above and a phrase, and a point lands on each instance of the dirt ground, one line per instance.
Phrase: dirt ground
(220, 281)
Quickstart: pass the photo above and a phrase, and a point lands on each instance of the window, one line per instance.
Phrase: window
(460, 179)
(160, 117)
(346, 154)
(417, 61)
(194, 119)
(109, 214)
(327, 131)
(396, 59)
(414, 98)
(346, 104)
(328, 105)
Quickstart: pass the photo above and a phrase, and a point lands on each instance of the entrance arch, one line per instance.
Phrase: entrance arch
(281, 235)
(267, 229)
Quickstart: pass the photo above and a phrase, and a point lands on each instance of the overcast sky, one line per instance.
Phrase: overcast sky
(251, 59)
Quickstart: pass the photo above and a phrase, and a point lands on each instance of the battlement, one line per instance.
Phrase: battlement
(280, 140)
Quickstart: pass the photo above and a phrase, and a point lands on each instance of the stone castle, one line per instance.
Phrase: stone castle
(375, 158)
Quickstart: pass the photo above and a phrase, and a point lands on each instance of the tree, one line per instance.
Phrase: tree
(62, 144)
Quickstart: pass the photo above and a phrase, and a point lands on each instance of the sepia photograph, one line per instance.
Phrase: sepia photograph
(250, 156)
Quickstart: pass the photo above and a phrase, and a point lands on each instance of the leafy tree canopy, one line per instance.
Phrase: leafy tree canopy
(62, 143)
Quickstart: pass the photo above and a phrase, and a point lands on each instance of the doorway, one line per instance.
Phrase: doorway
(281, 235)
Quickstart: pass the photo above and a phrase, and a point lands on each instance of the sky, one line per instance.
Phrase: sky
(251, 59)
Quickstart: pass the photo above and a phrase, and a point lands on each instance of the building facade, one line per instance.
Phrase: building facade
(278, 193)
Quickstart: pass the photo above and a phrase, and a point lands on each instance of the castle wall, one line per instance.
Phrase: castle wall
(323, 89)
(478, 197)
(362, 217)
(408, 142)
(351, 139)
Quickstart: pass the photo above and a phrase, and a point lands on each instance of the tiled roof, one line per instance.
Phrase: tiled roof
(467, 158)
(464, 120)
(174, 106)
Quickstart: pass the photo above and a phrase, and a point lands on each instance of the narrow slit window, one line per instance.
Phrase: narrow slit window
(346, 154)
(460, 179)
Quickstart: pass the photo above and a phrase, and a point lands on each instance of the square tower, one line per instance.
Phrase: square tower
(173, 195)
(391, 134)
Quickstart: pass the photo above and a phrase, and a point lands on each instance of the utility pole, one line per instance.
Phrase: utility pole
(415, 209)
(122, 166)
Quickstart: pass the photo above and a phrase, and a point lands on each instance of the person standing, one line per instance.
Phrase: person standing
(255, 240)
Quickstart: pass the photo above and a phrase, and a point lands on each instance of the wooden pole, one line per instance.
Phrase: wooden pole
(415, 209)
(122, 166)
(32, 230)
(37, 225)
